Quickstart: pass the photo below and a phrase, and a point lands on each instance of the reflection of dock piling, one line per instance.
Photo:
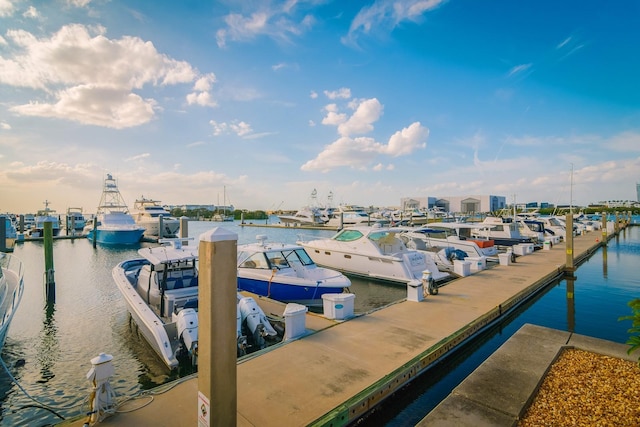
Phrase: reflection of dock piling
(50, 284)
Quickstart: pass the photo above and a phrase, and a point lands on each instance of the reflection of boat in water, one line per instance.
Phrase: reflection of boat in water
(286, 273)
(11, 289)
(161, 293)
(115, 226)
(372, 252)
(147, 212)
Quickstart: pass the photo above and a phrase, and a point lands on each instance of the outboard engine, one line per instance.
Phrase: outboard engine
(256, 321)
(187, 324)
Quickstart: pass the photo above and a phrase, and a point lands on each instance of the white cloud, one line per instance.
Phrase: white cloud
(313, 94)
(277, 23)
(625, 141)
(32, 13)
(367, 112)
(98, 90)
(385, 15)
(518, 69)
(407, 140)
(5, 126)
(343, 92)
(138, 157)
(242, 129)
(7, 7)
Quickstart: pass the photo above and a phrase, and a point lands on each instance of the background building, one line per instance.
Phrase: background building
(457, 204)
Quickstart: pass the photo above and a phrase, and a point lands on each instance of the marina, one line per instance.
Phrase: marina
(129, 354)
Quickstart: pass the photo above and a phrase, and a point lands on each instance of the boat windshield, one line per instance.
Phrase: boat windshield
(348, 235)
(298, 254)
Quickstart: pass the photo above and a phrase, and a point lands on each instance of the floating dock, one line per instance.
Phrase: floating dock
(339, 371)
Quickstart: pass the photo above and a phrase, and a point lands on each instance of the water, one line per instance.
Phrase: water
(56, 342)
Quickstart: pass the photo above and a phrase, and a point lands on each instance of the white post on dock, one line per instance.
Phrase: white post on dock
(184, 228)
(217, 300)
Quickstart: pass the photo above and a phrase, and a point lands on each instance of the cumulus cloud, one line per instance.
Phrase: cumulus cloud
(5, 126)
(366, 113)
(344, 93)
(7, 8)
(99, 89)
(359, 153)
(239, 128)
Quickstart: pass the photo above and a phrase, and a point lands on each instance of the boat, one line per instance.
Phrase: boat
(372, 252)
(450, 235)
(11, 290)
(348, 216)
(286, 273)
(160, 290)
(45, 215)
(413, 217)
(307, 215)
(224, 215)
(29, 220)
(147, 212)
(503, 231)
(75, 219)
(114, 225)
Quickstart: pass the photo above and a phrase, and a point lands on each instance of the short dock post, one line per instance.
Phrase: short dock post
(184, 228)
(3, 234)
(604, 228)
(217, 371)
(50, 284)
(569, 266)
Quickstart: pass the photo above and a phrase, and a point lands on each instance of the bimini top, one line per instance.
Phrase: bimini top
(173, 252)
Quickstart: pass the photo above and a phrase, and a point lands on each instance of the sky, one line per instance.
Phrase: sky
(259, 103)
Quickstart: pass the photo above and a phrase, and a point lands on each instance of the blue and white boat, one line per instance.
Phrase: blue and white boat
(45, 215)
(286, 273)
(161, 292)
(115, 226)
(11, 289)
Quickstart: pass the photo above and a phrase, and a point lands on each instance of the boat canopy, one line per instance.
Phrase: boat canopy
(169, 254)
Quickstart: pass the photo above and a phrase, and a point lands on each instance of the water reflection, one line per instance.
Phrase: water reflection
(49, 347)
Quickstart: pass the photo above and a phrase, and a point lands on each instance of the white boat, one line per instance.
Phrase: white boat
(411, 217)
(115, 226)
(147, 212)
(224, 215)
(503, 231)
(29, 221)
(75, 219)
(308, 215)
(453, 235)
(372, 252)
(286, 272)
(45, 215)
(11, 289)
(161, 293)
(349, 215)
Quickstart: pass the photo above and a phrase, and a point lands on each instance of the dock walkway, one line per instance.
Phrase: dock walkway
(340, 372)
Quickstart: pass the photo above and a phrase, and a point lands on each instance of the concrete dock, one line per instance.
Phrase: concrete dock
(340, 371)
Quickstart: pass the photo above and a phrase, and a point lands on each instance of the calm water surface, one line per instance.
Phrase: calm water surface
(57, 341)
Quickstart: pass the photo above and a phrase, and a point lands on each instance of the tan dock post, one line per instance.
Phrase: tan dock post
(217, 353)
(184, 228)
(604, 228)
(569, 266)
(616, 225)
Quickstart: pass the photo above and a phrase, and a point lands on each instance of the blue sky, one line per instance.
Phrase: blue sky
(369, 100)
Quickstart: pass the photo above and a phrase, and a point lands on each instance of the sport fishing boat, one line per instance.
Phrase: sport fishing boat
(286, 273)
(147, 212)
(11, 289)
(45, 215)
(115, 226)
(75, 219)
(161, 293)
(372, 252)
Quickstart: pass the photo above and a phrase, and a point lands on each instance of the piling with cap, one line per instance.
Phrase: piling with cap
(569, 265)
(50, 283)
(217, 300)
(3, 234)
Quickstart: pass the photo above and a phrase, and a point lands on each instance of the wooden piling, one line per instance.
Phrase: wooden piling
(50, 284)
(604, 228)
(217, 350)
(569, 264)
(95, 231)
(3, 234)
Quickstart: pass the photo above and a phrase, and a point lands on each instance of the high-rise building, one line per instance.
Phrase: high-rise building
(638, 191)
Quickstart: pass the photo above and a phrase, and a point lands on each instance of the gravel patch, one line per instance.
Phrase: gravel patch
(587, 389)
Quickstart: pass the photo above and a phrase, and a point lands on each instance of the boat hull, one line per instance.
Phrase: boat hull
(116, 237)
(11, 290)
(309, 294)
(152, 227)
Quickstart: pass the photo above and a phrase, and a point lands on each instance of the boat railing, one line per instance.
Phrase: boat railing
(14, 266)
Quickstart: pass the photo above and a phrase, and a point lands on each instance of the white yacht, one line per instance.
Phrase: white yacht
(147, 212)
(45, 215)
(11, 289)
(75, 219)
(306, 216)
(349, 215)
(372, 252)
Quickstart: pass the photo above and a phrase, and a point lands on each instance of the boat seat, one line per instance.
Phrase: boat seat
(179, 284)
(193, 282)
(248, 264)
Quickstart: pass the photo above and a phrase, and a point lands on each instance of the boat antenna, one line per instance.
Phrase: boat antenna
(571, 193)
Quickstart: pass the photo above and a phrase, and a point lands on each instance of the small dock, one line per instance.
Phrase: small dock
(340, 371)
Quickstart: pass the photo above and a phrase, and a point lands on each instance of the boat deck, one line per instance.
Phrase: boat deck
(343, 369)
